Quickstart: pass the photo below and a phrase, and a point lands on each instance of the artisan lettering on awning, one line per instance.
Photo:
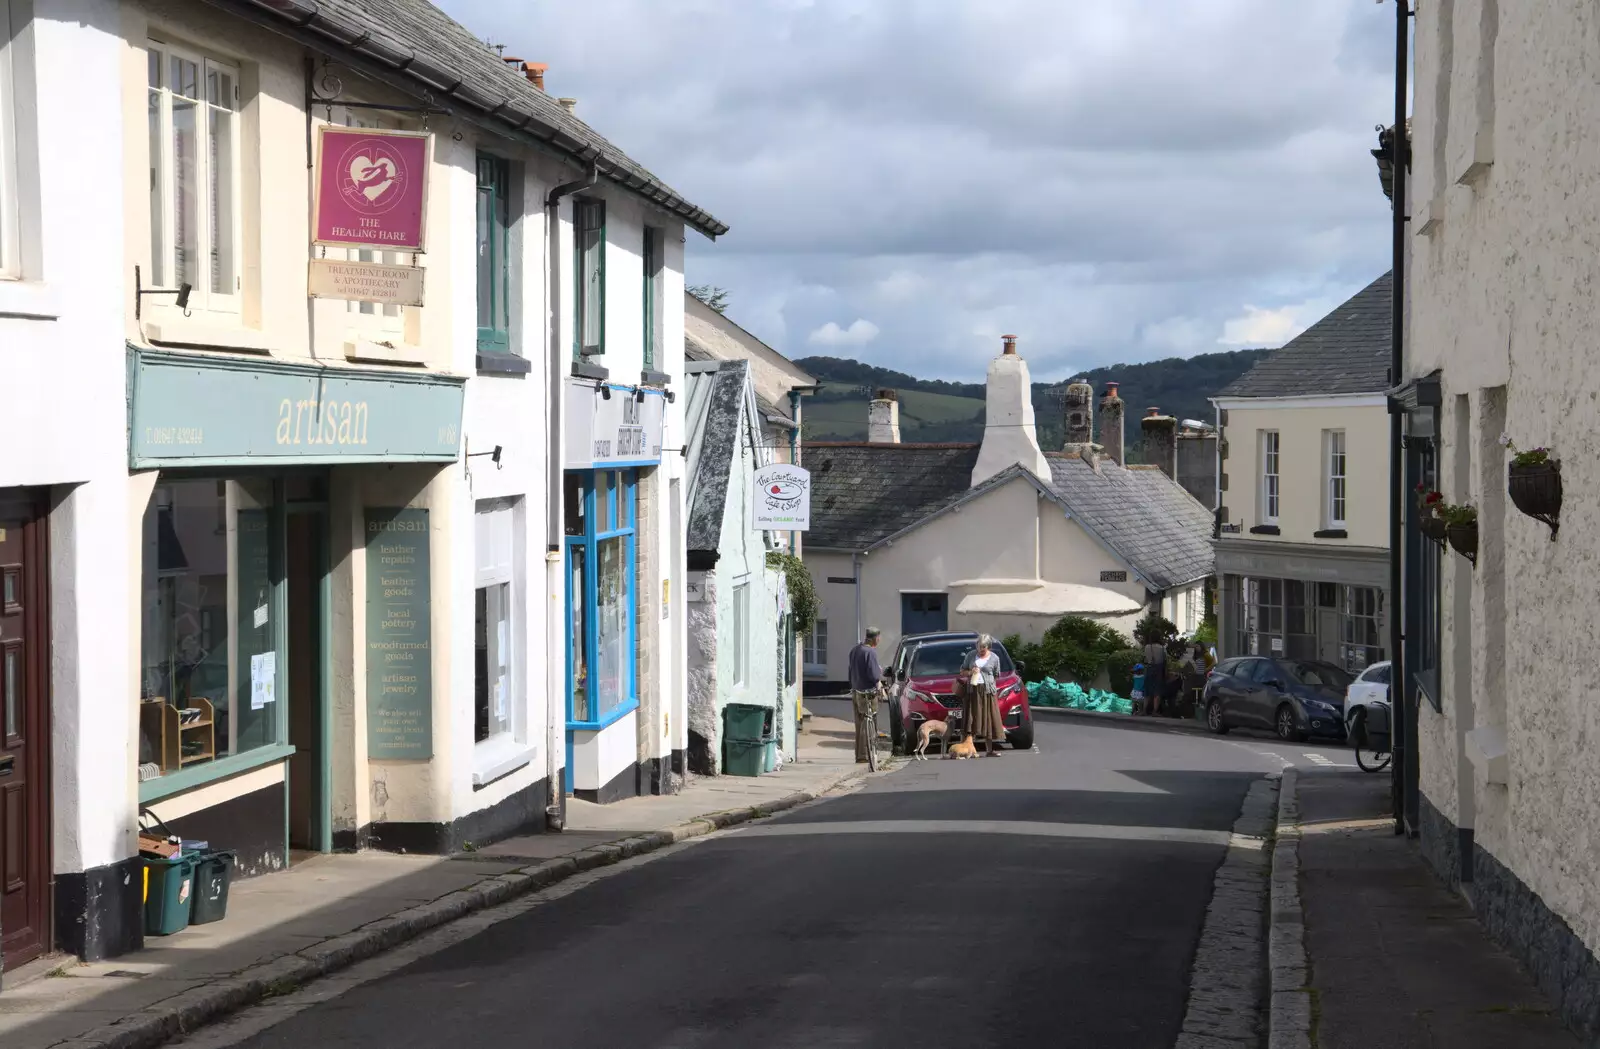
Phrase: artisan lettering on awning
(194, 410)
(619, 430)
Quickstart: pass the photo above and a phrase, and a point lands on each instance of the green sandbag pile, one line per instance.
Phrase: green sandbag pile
(1071, 696)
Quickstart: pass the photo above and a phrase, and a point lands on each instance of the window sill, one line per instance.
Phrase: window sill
(188, 779)
(359, 348)
(205, 334)
(497, 758)
(1266, 530)
(650, 378)
(1331, 533)
(585, 370)
(607, 721)
(503, 363)
(33, 300)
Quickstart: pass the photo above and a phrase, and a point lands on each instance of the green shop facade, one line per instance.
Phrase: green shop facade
(293, 519)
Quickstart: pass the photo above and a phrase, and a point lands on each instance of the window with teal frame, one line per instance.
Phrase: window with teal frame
(652, 296)
(494, 243)
(602, 598)
(589, 239)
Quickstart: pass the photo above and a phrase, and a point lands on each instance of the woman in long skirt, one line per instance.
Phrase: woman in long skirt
(981, 714)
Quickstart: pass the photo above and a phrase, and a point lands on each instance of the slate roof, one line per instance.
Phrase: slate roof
(862, 493)
(414, 45)
(1345, 352)
(714, 418)
(1150, 522)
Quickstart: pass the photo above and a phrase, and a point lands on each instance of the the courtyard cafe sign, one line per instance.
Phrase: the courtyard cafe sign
(194, 410)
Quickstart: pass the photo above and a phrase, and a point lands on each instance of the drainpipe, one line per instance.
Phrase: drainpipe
(1403, 725)
(855, 571)
(554, 557)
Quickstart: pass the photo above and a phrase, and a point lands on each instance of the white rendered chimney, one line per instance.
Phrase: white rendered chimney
(1008, 434)
(883, 418)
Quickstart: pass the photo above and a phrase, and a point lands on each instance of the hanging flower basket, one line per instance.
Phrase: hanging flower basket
(1535, 489)
(1464, 540)
(1433, 528)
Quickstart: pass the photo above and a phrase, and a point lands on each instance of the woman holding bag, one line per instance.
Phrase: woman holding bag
(980, 700)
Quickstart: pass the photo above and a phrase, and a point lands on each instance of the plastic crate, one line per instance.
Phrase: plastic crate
(166, 910)
(212, 876)
(741, 757)
(746, 722)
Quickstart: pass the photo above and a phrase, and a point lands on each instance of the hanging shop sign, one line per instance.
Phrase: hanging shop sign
(365, 282)
(399, 635)
(608, 432)
(371, 188)
(781, 498)
(194, 410)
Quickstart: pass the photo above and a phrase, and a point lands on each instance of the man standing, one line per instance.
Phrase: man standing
(866, 688)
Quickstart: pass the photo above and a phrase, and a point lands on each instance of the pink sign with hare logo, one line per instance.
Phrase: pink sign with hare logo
(372, 188)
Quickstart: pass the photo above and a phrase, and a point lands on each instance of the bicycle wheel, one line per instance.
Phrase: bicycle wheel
(872, 744)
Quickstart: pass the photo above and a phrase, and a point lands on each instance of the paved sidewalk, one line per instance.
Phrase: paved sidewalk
(329, 912)
(1396, 959)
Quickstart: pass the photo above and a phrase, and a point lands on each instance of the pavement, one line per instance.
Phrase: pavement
(332, 911)
(1395, 959)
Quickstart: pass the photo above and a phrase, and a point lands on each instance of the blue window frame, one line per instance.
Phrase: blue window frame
(602, 597)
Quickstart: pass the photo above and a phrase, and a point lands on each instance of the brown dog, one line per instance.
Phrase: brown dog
(965, 749)
(925, 735)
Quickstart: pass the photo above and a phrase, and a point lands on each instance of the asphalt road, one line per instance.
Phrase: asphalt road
(1037, 898)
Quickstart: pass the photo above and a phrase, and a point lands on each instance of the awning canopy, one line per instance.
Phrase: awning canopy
(1050, 599)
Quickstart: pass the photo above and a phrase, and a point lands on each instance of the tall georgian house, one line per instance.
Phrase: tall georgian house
(1500, 328)
(383, 555)
(1303, 484)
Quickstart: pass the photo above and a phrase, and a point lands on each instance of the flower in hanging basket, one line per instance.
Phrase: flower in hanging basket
(1461, 526)
(1531, 457)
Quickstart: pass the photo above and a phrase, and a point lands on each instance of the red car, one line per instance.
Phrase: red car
(925, 670)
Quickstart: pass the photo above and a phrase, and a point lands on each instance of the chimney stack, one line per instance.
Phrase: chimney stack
(569, 104)
(535, 71)
(1079, 414)
(1160, 441)
(1008, 434)
(883, 418)
(1111, 425)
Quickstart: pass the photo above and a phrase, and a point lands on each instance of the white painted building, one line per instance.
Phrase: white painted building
(999, 537)
(1303, 529)
(1500, 323)
(306, 560)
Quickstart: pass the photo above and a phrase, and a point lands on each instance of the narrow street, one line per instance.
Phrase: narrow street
(1011, 901)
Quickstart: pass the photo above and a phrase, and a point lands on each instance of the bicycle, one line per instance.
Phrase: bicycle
(872, 738)
(1371, 745)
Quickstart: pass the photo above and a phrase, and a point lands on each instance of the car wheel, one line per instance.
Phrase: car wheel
(1286, 726)
(1021, 738)
(1214, 720)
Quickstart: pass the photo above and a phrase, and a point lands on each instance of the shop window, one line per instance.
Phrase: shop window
(494, 260)
(193, 107)
(1424, 575)
(741, 633)
(602, 599)
(1334, 498)
(589, 237)
(496, 674)
(816, 648)
(652, 297)
(210, 663)
(1268, 511)
(10, 212)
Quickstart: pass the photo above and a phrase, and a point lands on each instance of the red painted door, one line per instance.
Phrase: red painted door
(24, 732)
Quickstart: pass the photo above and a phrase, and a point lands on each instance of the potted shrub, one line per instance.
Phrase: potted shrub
(1461, 526)
(1429, 521)
(1534, 483)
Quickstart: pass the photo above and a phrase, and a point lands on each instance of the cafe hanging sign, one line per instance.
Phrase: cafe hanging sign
(371, 188)
(781, 495)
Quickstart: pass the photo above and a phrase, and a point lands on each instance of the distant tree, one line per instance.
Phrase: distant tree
(711, 295)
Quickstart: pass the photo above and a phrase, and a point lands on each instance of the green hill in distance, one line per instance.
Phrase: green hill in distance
(933, 410)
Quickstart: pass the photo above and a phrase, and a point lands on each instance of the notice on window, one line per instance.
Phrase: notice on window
(263, 679)
(399, 628)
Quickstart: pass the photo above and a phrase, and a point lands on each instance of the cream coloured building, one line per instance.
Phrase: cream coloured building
(1302, 541)
(999, 537)
(1504, 204)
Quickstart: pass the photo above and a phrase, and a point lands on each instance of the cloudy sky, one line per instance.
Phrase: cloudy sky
(907, 179)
